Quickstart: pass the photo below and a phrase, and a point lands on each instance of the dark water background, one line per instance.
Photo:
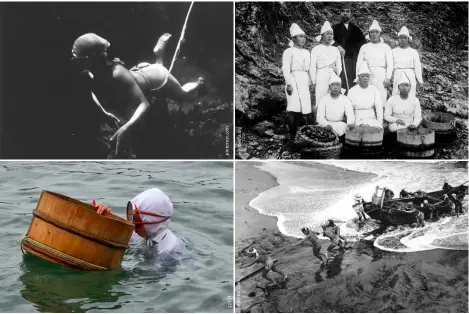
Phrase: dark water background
(201, 280)
(43, 101)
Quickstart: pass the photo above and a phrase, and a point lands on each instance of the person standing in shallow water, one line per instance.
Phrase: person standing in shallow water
(151, 212)
(296, 66)
(117, 89)
(406, 60)
(348, 38)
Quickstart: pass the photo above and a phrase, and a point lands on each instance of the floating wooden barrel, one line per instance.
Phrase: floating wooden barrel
(70, 233)
(443, 124)
(419, 143)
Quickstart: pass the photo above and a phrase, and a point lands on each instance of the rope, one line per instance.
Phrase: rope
(176, 53)
(59, 254)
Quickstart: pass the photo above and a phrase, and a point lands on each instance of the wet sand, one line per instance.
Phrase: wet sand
(362, 279)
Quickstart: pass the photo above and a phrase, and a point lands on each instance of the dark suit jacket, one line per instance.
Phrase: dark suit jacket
(350, 39)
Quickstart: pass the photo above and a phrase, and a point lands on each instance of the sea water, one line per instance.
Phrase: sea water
(200, 280)
(311, 192)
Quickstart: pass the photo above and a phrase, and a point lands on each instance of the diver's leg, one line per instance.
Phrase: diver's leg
(183, 93)
(264, 275)
(279, 272)
(161, 47)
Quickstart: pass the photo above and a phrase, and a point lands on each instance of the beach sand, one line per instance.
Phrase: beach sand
(362, 279)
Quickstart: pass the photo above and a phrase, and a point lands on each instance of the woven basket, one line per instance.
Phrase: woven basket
(331, 152)
(304, 141)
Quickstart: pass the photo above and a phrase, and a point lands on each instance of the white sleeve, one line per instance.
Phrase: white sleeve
(388, 111)
(321, 114)
(286, 66)
(359, 61)
(349, 111)
(417, 113)
(313, 67)
(418, 67)
(389, 62)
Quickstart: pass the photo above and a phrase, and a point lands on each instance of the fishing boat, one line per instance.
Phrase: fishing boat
(402, 211)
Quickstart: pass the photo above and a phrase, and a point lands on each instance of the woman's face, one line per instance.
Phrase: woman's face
(305, 231)
(404, 88)
(375, 35)
(403, 41)
(140, 230)
(364, 79)
(328, 37)
(335, 88)
(299, 40)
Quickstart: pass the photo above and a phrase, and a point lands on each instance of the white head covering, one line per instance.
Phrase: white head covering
(358, 197)
(334, 79)
(404, 31)
(325, 27)
(157, 202)
(364, 69)
(295, 30)
(375, 26)
(403, 79)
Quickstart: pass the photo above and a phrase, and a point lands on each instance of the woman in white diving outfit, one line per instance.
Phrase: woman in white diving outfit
(296, 66)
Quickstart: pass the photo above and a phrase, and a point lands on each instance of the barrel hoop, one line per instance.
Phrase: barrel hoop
(359, 143)
(79, 233)
(53, 253)
(416, 148)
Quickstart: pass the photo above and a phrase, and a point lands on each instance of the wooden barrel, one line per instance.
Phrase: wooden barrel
(419, 143)
(70, 233)
(444, 126)
(364, 136)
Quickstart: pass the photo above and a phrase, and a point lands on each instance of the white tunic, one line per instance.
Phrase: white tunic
(408, 110)
(380, 61)
(406, 60)
(295, 67)
(324, 61)
(333, 112)
(367, 105)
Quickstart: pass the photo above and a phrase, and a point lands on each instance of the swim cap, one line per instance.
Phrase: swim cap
(154, 209)
(425, 201)
(453, 195)
(358, 197)
(89, 44)
(252, 251)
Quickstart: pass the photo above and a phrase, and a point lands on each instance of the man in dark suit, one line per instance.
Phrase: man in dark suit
(348, 38)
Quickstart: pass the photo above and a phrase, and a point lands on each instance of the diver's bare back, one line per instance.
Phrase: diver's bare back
(112, 88)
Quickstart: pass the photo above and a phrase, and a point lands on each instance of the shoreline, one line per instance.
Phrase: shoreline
(352, 281)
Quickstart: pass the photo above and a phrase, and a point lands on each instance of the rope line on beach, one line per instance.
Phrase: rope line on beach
(178, 47)
(59, 254)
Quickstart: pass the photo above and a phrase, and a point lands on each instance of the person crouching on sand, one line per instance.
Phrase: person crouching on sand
(313, 237)
(151, 213)
(267, 261)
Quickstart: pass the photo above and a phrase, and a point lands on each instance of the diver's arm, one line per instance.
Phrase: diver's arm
(249, 265)
(127, 82)
(303, 240)
(102, 108)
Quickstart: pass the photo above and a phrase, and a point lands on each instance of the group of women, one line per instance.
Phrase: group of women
(366, 103)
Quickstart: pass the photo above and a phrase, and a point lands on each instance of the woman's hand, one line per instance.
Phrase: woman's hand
(120, 138)
(100, 208)
(342, 51)
(400, 122)
(289, 90)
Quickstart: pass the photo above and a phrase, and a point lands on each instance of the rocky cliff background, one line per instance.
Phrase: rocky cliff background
(45, 106)
(439, 31)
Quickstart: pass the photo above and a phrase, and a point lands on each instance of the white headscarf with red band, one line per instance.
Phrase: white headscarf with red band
(157, 202)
